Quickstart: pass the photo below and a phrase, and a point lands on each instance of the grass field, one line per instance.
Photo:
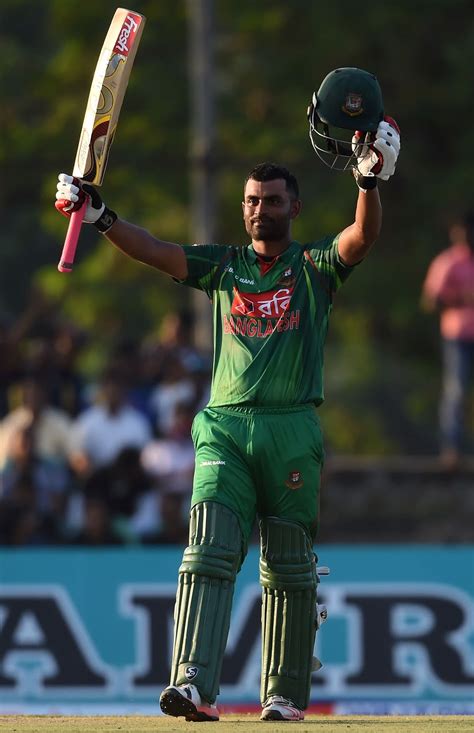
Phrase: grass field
(236, 724)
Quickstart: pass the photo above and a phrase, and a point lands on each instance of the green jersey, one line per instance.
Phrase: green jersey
(270, 323)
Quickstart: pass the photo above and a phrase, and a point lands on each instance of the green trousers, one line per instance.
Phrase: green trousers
(260, 460)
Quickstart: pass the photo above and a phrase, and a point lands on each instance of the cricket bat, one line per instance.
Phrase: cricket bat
(102, 112)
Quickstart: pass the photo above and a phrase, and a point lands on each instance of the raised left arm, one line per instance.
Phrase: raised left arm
(356, 239)
(375, 160)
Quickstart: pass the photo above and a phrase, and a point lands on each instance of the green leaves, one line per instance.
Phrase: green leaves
(269, 58)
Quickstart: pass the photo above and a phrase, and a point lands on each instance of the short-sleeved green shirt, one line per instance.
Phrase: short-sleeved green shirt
(269, 329)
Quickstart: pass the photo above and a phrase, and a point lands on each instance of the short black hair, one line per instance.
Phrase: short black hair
(273, 171)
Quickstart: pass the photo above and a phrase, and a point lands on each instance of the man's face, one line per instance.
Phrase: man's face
(268, 210)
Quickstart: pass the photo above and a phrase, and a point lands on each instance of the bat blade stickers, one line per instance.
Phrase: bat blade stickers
(102, 112)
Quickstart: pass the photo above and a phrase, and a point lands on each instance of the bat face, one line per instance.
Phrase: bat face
(103, 108)
(106, 95)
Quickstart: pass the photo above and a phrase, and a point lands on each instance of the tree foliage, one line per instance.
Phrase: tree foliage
(382, 360)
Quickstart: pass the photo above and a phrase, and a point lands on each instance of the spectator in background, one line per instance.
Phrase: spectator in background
(97, 527)
(51, 426)
(163, 357)
(20, 522)
(173, 528)
(123, 484)
(10, 361)
(13, 333)
(59, 367)
(169, 461)
(127, 358)
(33, 494)
(103, 430)
(49, 478)
(175, 339)
(177, 386)
(449, 287)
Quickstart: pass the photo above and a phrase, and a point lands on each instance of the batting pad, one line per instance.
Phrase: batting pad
(204, 597)
(288, 577)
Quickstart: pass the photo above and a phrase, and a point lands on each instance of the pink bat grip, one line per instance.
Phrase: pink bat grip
(70, 243)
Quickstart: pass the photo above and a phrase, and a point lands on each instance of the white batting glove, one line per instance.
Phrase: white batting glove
(71, 194)
(379, 157)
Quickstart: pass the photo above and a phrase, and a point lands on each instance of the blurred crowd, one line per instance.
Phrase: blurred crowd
(107, 461)
(110, 460)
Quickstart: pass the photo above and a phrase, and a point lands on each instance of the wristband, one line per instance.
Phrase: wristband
(105, 220)
(365, 183)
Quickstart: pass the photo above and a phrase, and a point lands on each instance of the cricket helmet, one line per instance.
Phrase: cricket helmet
(348, 100)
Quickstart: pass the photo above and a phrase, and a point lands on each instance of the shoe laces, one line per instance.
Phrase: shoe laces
(279, 700)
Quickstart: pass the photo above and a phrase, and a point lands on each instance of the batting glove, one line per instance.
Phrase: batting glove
(377, 158)
(70, 196)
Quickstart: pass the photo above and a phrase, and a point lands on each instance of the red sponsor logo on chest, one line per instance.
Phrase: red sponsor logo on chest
(272, 304)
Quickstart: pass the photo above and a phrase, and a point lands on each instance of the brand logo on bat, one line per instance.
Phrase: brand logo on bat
(129, 26)
(271, 304)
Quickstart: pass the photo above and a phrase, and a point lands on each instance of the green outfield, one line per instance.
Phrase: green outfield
(247, 723)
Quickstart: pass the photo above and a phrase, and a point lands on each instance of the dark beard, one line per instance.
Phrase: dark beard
(269, 231)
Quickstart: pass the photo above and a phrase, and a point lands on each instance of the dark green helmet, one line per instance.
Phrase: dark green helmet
(348, 99)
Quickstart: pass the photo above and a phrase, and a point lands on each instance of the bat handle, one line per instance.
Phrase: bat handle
(70, 243)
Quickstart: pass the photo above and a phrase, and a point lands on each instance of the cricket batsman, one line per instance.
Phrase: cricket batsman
(258, 443)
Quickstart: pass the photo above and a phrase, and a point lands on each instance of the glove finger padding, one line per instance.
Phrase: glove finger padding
(381, 157)
(360, 143)
(71, 194)
(367, 156)
(387, 143)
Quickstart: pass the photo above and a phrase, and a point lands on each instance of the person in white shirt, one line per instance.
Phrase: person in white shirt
(100, 432)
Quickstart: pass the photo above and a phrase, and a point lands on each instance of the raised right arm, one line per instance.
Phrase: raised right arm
(134, 241)
(139, 244)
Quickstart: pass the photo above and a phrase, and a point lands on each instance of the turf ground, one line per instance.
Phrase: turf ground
(236, 724)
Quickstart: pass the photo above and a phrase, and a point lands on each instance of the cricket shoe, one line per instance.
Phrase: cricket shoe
(185, 701)
(279, 708)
